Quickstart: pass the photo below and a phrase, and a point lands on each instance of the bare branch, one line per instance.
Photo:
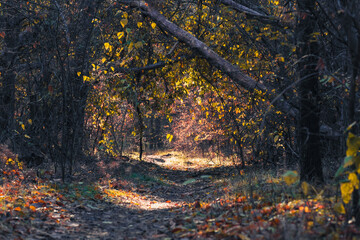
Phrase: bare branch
(241, 8)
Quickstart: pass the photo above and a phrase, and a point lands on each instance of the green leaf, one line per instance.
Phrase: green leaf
(192, 180)
(339, 171)
(348, 161)
(206, 176)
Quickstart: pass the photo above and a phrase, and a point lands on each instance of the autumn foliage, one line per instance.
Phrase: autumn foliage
(201, 119)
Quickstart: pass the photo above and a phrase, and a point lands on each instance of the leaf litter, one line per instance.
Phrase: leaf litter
(148, 200)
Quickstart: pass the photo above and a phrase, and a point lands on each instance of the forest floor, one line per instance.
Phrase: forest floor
(166, 196)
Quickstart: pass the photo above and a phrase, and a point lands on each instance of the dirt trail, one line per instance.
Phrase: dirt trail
(158, 195)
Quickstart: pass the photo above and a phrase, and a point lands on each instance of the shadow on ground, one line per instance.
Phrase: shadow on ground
(150, 198)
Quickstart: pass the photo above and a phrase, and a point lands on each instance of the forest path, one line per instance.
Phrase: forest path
(143, 200)
(165, 197)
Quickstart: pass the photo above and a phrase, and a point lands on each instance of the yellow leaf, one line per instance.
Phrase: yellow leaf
(354, 180)
(346, 191)
(281, 59)
(305, 187)
(339, 208)
(78, 73)
(125, 15)
(353, 144)
(120, 35)
(131, 46)
(103, 60)
(106, 45)
(23, 126)
(86, 78)
(139, 24)
(153, 25)
(27, 136)
(112, 68)
(290, 177)
(30, 121)
(138, 44)
(243, 237)
(350, 126)
(123, 22)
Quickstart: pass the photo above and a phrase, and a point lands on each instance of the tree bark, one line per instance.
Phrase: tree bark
(309, 119)
(349, 22)
(8, 59)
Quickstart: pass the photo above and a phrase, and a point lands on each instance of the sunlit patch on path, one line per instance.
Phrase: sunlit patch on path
(177, 161)
(135, 200)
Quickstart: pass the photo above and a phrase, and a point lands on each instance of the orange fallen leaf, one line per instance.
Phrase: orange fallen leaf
(275, 222)
(168, 201)
(177, 230)
(32, 208)
(98, 196)
(17, 209)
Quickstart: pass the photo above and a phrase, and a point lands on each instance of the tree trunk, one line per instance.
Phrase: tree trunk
(309, 120)
(353, 42)
(141, 130)
(8, 59)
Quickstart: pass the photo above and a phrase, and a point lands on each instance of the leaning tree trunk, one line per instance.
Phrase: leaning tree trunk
(233, 71)
(309, 120)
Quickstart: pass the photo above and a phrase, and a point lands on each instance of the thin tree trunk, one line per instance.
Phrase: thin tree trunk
(141, 131)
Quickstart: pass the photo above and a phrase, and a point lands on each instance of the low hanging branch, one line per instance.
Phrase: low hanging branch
(267, 19)
(234, 72)
(241, 8)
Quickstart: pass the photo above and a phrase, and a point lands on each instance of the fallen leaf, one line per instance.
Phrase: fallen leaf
(192, 180)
